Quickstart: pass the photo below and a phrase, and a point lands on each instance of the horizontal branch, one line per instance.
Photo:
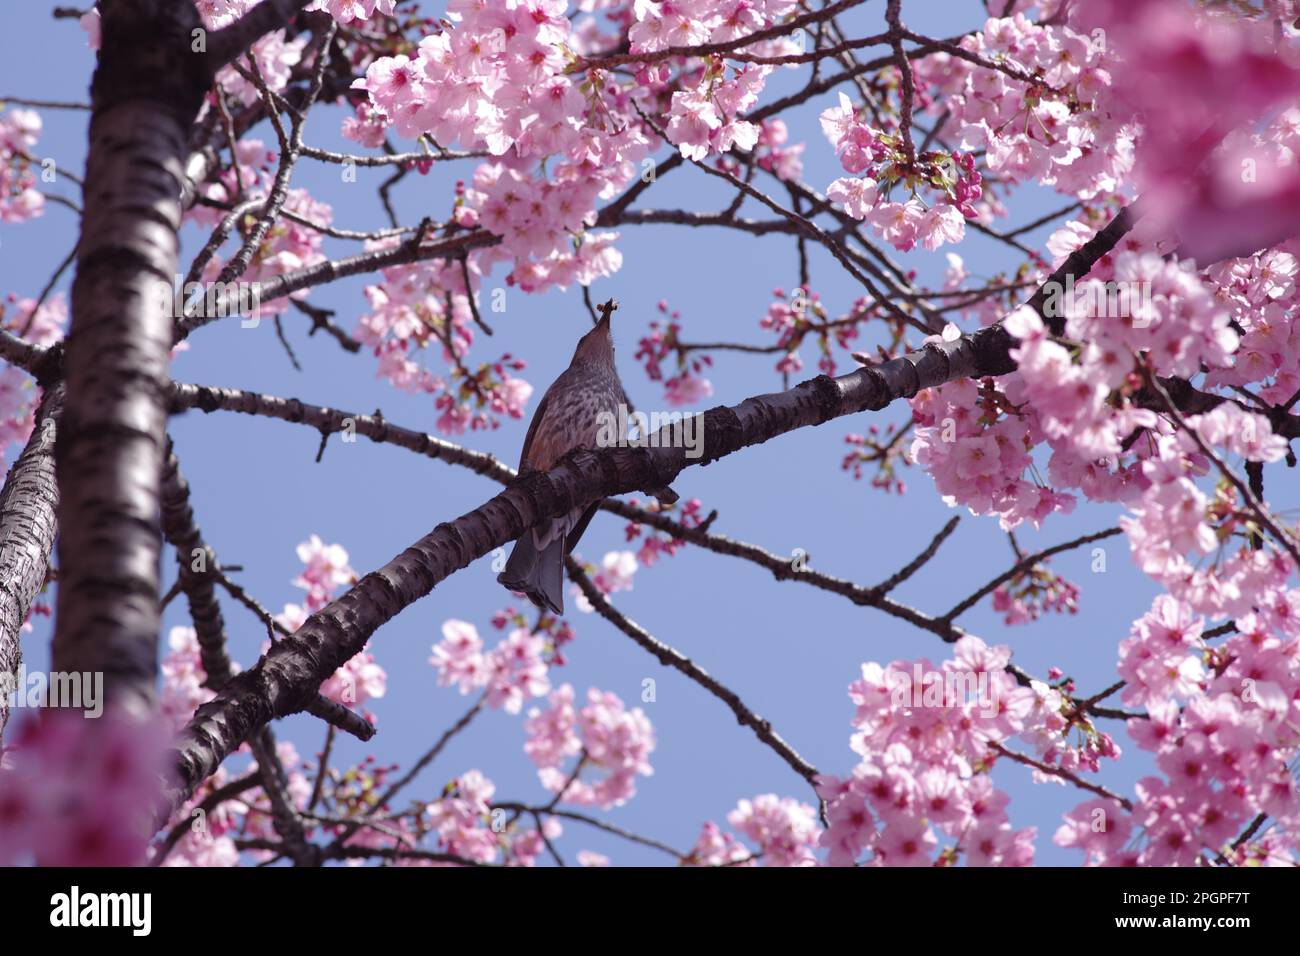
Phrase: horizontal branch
(331, 270)
(391, 159)
(207, 398)
(286, 679)
(708, 49)
(43, 104)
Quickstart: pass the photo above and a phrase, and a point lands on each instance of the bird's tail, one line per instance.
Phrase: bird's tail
(537, 573)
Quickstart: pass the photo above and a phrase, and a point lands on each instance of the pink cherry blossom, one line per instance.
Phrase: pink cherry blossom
(514, 671)
(604, 735)
(20, 200)
(78, 791)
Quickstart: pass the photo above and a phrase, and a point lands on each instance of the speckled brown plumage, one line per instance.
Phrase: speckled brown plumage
(568, 417)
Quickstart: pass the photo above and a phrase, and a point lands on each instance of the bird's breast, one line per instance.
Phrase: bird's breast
(576, 415)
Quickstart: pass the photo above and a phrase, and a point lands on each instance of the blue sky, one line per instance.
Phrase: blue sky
(789, 650)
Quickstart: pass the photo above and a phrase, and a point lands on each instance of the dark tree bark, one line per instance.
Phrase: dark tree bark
(145, 96)
(197, 568)
(111, 482)
(287, 678)
(154, 68)
(27, 529)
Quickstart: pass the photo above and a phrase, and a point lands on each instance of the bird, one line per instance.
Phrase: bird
(568, 417)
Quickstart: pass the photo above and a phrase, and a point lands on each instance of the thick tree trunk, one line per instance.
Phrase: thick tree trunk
(145, 96)
(27, 528)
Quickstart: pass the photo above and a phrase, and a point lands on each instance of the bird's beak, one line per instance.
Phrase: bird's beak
(606, 314)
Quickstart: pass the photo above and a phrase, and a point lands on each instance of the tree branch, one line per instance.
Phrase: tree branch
(28, 503)
(229, 42)
(146, 93)
(182, 533)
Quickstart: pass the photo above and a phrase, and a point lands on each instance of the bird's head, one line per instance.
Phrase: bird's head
(598, 344)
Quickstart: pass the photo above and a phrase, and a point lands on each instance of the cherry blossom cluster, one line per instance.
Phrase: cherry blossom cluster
(605, 737)
(325, 569)
(275, 57)
(495, 79)
(20, 200)
(655, 546)
(208, 836)
(513, 672)
(926, 749)
(881, 447)
(887, 162)
(975, 442)
(1191, 75)
(461, 819)
(287, 246)
(1260, 293)
(784, 832)
(1140, 314)
(793, 318)
(688, 385)
(351, 12)
(1042, 112)
(461, 822)
(76, 791)
(1174, 522)
(705, 115)
(1033, 592)
(706, 119)
(18, 393)
(681, 23)
(1146, 303)
(1221, 723)
(521, 82)
(556, 630)
(774, 153)
(366, 127)
(426, 304)
(183, 679)
(614, 574)
(465, 823)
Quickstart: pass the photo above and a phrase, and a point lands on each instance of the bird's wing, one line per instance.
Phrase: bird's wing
(532, 430)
